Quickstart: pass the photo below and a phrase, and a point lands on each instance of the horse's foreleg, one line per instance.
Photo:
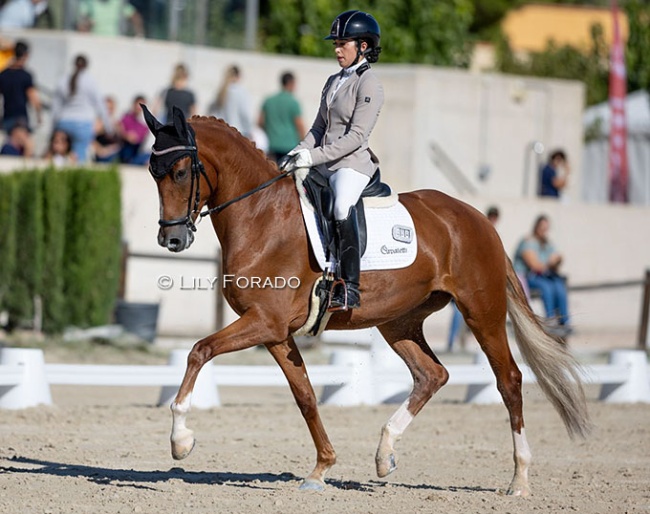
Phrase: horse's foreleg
(405, 336)
(289, 359)
(247, 331)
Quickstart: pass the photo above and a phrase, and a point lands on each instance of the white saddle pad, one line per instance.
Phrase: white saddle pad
(391, 244)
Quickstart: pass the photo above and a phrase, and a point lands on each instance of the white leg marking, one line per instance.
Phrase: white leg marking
(179, 415)
(182, 438)
(398, 422)
(386, 459)
(523, 457)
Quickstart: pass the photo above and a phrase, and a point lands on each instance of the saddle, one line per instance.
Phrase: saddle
(321, 196)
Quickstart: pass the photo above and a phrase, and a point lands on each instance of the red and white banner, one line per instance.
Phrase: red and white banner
(618, 170)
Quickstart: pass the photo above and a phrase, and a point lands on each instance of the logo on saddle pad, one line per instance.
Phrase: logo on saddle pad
(402, 234)
(387, 251)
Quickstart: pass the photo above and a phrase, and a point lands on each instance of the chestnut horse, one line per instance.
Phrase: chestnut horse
(206, 163)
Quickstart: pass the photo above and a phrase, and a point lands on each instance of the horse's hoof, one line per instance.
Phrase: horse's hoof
(181, 450)
(311, 484)
(385, 466)
(518, 490)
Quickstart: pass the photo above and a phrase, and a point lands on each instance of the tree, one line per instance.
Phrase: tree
(415, 31)
(638, 45)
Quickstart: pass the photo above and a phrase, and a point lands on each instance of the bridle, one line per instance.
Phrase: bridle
(197, 169)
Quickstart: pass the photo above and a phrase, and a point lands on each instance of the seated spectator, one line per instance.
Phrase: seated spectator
(554, 175)
(59, 153)
(19, 142)
(134, 133)
(537, 260)
(107, 144)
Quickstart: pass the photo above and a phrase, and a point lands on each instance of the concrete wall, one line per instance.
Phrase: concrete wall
(477, 119)
(600, 244)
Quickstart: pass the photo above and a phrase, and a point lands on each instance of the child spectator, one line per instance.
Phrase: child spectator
(18, 143)
(59, 152)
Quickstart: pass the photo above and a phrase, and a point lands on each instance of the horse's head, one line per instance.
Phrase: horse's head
(175, 166)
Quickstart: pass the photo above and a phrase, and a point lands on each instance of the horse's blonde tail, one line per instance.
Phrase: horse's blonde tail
(556, 369)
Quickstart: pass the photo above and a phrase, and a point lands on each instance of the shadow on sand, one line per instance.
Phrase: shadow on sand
(147, 479)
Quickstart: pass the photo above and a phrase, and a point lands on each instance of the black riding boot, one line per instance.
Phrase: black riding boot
(347, 242)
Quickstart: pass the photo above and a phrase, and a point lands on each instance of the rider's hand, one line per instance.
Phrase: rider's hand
(299, 159)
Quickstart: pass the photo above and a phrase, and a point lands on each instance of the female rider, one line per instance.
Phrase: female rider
(337, 143)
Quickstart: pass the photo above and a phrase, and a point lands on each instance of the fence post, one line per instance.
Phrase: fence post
(33, 388)
(358, 390)
(483, 393)
(642, 340)
(205, 394)
(637, 386)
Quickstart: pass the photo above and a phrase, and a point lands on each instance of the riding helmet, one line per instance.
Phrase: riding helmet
(355, 25)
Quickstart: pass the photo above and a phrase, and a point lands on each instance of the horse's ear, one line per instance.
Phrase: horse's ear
(153, 124)
(180, 123)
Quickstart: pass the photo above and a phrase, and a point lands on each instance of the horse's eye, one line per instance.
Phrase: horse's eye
(181, 174)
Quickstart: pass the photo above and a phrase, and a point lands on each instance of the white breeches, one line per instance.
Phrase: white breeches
(348, 184)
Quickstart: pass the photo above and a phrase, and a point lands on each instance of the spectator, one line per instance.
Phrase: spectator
(18, 143)
(281, 119)
(134, 133)
(178, 94)
(107, 17)
(20, 14)
(59, 152)
(17, 89)
(538, 261)
(232, 103)
(107, 144)
(458, 326)
(75, 105)
(554, 175)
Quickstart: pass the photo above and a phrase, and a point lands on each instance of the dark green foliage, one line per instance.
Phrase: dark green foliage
(637, 52)
(416, 31)
(8, 203)
(563, 62)
(27, 279)
(92, 251)
(55, 192)
(63, 245)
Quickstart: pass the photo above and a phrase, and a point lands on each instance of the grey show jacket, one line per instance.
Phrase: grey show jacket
(339, 135)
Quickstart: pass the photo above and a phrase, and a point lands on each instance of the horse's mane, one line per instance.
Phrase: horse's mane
(234, 131)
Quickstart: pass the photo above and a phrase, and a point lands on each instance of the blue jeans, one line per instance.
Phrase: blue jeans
(554, 295)
(82, 135)
(456, 322)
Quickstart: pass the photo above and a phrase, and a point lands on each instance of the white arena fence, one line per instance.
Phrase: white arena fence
(366, 372)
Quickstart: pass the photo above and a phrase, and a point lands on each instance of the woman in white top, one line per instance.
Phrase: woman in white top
(77, 103)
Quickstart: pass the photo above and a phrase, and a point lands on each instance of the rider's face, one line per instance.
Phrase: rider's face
(346, 51)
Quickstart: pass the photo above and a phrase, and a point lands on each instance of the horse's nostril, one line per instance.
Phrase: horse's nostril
(174, 242)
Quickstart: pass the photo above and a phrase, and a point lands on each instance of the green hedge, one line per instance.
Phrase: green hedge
(63, 246)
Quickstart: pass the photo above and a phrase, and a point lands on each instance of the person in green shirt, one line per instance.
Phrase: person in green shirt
(281, 119)
(108, 17)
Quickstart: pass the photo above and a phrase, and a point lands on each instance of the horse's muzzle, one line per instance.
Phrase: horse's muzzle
(176, 238)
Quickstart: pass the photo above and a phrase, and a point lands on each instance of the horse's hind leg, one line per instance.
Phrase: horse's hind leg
(289, 359)
(405, 336)
(488, 323)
